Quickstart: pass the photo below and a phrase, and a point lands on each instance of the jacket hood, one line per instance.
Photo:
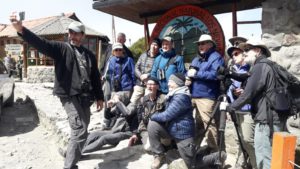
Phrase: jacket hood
(180, 90)
(168, 53)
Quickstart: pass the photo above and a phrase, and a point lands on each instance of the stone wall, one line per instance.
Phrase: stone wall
(40, 74)
(281, 32)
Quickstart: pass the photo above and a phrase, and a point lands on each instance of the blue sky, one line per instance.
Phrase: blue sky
(102, 22)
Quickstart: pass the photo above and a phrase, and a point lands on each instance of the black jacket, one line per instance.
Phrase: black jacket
(262, 80)
(67, 78)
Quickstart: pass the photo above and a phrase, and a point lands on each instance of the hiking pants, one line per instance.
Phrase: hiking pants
(96, 140)
(79, 118)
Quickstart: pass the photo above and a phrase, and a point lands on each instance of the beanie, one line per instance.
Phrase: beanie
(178, 78)
(157, 41)
(154, 79)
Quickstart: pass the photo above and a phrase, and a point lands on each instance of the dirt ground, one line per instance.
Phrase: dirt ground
(24, 143)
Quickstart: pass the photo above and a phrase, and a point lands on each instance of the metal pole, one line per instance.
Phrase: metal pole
(146, 32)
(234, 20)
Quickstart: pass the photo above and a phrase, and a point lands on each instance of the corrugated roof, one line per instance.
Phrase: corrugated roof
(55, 25)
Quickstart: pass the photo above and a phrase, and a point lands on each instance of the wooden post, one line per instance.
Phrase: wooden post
(283, 150)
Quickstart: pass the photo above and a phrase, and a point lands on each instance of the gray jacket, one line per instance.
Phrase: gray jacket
(262, 80)
(143, 66)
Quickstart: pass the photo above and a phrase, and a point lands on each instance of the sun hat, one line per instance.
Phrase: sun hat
(252, 43)
(235, 41)
(205, 38)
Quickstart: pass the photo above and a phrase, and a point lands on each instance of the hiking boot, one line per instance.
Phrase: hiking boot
(158, 161)
(62, 152)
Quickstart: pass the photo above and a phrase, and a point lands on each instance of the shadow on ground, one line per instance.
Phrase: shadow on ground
(117, 159)
(18, 119)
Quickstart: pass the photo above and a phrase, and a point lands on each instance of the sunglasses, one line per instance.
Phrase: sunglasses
(118, 50)
(236, 53)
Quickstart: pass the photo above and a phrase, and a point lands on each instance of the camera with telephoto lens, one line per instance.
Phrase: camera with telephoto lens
(85, 86)
(223, 73)
(116, 85)
(161, 74)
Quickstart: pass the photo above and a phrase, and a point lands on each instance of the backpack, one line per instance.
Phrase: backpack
(285, 97)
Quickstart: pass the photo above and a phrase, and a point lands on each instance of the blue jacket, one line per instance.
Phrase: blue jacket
(127, 73)
(161, 61)
(178, 115)
(236, 84)
(205, 83)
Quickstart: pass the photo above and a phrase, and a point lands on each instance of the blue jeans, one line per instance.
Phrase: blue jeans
(262, 144)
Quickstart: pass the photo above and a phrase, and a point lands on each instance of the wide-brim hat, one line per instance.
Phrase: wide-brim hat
(77, 27)
(205, 38)
(255, 43)
(236, 40)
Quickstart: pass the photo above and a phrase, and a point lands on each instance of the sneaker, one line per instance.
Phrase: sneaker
(62, 152)
(158, 161)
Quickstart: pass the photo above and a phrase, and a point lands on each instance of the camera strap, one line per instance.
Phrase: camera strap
(120, 72)
(171, 61)
(82, 63)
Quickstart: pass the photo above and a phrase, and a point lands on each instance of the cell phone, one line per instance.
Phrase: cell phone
(22, 15)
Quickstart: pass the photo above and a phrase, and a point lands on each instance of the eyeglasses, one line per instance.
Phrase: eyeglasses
(151, 84)
(118, 50)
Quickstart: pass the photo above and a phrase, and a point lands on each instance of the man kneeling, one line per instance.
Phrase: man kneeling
(176, 122)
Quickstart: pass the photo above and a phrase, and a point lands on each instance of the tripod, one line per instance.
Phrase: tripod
(221, 129)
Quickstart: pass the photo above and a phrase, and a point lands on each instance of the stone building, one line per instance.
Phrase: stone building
(38, 67)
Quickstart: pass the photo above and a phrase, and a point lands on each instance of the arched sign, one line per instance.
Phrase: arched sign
(185, 24)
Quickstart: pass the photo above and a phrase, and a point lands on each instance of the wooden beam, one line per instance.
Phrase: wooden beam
(283, 150)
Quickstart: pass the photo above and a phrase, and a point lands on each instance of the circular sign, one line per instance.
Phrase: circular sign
(185, 24)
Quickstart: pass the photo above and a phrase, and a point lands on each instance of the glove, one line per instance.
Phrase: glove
(191, 72)
(223, 106)
(231, 111)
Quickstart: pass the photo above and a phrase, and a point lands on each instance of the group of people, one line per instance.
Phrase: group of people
(11, 65)
(152, 101)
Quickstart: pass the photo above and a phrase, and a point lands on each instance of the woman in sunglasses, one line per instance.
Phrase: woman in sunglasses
(121, 76)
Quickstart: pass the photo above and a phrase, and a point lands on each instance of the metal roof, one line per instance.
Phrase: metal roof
(137, 10)
(55, 25)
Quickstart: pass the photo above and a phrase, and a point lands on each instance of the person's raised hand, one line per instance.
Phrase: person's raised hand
(17, 24)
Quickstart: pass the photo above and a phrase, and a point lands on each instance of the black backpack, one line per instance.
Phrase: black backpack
(285, 97)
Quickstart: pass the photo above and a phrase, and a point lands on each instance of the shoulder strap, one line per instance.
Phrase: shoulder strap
(171, 61)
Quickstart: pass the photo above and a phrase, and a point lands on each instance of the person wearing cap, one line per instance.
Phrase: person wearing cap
(244, 118)
(77, 81)
(143, 68)
(176, 122)
(166, 64)
(262, 79)
(205, 87)
(120, 74)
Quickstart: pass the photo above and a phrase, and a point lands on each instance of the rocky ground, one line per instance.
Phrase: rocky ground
(35, 126)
